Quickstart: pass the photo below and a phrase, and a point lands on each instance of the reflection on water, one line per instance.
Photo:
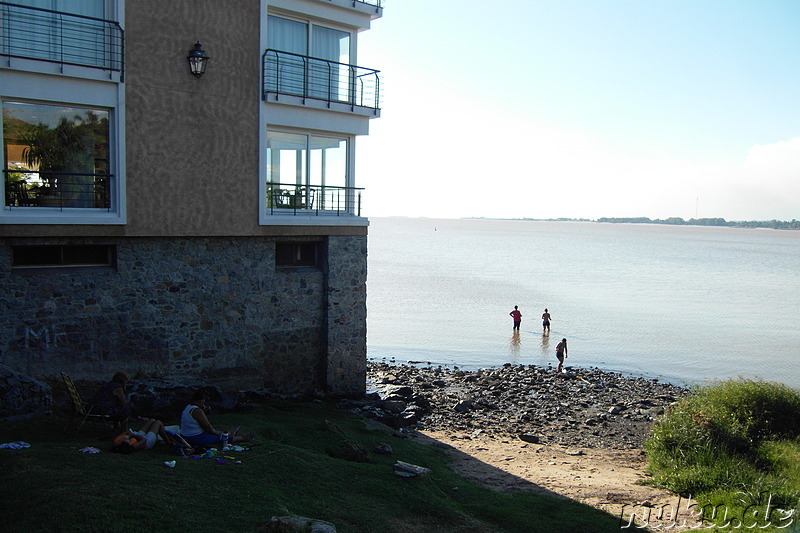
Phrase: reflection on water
(681, 303)
(514, 346)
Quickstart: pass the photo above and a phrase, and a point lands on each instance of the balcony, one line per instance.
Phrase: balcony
(336, 84)
(313, 200)
(62, 38)
(60, 190)
(377, 4)
(373, 7)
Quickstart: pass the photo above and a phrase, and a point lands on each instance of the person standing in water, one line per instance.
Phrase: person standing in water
(546, 322)
(517, 316)
(561, 353)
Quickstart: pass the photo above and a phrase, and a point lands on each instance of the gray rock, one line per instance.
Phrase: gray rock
(464, 406)
(300, 523)
(383, 449)
(394, 406)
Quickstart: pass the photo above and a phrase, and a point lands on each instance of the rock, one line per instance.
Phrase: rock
(383, 449)
(527, 437)
(22, 396)
(394, 406)
(615, 410)
(464, 406)
(515, 399)
(403, 469)
(299, 523)
(407, 418)
(403, 391)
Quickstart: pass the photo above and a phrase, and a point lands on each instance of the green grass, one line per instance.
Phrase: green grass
(295, 468)
(735, 448)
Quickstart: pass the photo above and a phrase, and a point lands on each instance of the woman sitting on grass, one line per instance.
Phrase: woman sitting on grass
(111, 400)
(198, 431)
(143, 439)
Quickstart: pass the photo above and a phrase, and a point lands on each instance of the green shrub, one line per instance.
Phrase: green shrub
(734, 444)
(732, 417)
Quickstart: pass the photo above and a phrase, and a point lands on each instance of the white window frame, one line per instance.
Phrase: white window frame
(80, 93)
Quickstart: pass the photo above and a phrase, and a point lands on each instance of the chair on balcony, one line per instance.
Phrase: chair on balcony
(17, 195)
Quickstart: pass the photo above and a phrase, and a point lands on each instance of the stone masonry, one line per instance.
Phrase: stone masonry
(217, 309)
(22, 397)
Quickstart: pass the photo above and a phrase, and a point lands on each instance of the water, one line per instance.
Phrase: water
(683, 304)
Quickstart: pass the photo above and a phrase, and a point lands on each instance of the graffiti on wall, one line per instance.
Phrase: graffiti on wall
(43, 336)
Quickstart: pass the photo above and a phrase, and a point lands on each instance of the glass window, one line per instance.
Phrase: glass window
(55, 155)
(306, 171)
(287, 35)
(323, 73)
(328, 161)
(51, 36)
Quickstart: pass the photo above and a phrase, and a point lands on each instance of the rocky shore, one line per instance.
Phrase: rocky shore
(590, 408)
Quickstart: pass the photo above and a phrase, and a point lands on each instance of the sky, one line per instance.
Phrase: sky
(584, 109)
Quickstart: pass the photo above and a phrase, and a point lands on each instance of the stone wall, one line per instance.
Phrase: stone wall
(213, 308)
(347, 315)
(21, 396)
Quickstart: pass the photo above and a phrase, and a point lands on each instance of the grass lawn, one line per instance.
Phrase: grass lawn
(297, 466)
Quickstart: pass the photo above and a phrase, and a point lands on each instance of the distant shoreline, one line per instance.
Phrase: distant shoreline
(672, 221)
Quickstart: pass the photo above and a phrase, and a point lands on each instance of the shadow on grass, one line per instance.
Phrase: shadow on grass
(294, 467)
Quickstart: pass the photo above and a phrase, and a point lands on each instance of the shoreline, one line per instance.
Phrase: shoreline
(629, 374)
(582, 407)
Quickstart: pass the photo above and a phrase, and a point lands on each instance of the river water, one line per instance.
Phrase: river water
(684, 304)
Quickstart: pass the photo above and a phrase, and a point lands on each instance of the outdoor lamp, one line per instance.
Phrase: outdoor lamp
(197, 60)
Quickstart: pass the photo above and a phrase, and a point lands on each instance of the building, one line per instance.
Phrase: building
(171, 224)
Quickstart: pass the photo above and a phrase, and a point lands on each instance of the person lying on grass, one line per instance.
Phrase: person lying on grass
(197, 429)
(144, 439)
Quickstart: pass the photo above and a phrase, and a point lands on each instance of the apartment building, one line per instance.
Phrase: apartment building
(180, 194)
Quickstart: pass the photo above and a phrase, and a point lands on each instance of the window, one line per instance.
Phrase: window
(84, 255)
(311, 168)
(315, 62)
(56, 156)
(296, 254)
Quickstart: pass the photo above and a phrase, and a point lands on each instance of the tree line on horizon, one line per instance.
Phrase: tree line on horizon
(677, 221)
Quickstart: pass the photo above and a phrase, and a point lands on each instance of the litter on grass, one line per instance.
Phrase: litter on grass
(16, 445)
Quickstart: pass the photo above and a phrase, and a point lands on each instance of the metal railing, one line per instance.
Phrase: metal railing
(293, 199)
(378, 4)
(64, 38)
(320, 79)
(62, 190)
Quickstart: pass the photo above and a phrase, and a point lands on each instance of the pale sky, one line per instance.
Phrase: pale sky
(584, 109)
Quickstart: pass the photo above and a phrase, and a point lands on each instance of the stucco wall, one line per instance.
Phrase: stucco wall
(192, 143)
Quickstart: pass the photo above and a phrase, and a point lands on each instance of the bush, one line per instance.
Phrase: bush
(721, 436)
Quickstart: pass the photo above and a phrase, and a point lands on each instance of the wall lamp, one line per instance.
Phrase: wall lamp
(197, 60)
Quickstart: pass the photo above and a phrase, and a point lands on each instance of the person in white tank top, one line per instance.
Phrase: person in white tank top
(197, 429)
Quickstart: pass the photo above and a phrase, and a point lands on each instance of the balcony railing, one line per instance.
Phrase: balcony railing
(62, 190)
(374, 3)
(64, 38)
(319, 79)
(319, 200)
